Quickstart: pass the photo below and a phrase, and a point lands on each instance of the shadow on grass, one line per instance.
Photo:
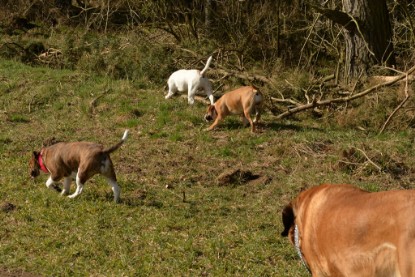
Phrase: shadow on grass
(138, 198)
(276, 126)
(234, 124)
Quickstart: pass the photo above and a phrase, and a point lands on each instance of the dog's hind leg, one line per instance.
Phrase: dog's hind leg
(248, 117)
(191, 94)
(79, 186)
(172, 89)
(257, 111)
(245, 121)
(107, 170)
(257, 107)
(211, 99)
(208, 89)
(115, 189)
(66, 185)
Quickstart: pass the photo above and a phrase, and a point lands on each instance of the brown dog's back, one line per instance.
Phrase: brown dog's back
(236, 102)
(67, 156)
(244, 101)
(346, 231)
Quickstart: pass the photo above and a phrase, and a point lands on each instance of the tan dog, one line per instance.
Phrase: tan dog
(81, 160)
(244, 101)
(341, 230)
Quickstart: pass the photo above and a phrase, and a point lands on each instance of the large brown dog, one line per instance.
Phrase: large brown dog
(243, 101)
(81, 160)
(341, 230)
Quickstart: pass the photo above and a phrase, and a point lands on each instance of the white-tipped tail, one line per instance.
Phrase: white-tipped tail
(206, 66)
(111, 149)
(124, 137)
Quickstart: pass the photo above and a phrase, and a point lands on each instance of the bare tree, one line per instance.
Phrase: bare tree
(208, 15)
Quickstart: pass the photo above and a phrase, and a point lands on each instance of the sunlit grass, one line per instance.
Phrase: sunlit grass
(174, 218)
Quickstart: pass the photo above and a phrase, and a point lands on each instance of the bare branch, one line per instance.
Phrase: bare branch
(369, 160)
(344, 99)
(398, 107)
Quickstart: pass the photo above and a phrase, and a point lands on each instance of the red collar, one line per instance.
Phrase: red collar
(41, 164)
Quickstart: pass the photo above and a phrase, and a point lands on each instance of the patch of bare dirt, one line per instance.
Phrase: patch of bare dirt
(7, 207)
(237, 176)
(135, 198)
(16, 273)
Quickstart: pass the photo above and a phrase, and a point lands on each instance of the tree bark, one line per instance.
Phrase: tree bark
(368, 35)
(208, 15)
(369, 40)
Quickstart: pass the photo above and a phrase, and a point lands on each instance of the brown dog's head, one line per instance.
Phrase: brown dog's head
(211, 113)
(34, 166)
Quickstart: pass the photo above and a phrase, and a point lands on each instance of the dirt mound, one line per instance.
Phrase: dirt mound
(237, 176)
(7, 207)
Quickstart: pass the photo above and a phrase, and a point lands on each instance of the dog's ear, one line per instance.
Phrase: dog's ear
(212, 109)
(34, 161)
(34, 164)
(287, 219)
(50, 141)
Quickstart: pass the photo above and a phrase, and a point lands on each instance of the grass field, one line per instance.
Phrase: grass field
(175, 217)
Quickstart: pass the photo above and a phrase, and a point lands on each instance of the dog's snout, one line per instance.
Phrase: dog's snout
(34, 173)
(208, 117)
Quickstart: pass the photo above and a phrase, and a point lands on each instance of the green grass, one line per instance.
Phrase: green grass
(219, 230)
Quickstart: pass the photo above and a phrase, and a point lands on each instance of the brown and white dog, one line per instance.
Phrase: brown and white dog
(80, 160)
(244, 101)
(341, 230)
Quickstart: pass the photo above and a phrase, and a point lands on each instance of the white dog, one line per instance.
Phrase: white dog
(192, 80)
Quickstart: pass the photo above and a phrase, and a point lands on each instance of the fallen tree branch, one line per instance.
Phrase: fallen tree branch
(287, 101)
(327, 102)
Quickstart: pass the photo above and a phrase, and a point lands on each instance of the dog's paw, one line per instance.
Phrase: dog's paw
(190, 100)
(56, 187)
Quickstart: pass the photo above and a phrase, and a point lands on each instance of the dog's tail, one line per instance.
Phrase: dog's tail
(111, 149)
(206, 66)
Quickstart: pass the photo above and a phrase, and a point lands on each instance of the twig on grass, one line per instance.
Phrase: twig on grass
(369, 160)
(398, 107)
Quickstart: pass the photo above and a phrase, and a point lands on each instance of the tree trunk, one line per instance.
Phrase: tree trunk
(367, 32)
(278, 6)
(208, 15)
(368, 39)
